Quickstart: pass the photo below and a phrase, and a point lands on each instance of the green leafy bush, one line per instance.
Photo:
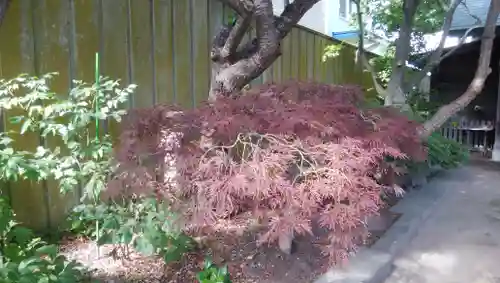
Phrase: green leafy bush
(211, 273)
(27, 259)
(143, 223)
(85, 160)
(445, 152)
(441, 151)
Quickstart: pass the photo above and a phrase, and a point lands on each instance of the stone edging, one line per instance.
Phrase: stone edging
(375, 264)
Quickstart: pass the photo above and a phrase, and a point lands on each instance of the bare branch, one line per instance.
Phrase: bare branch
(361, 51)
(219, 42)
(460, 42)
(378, 87)
(435, 56)
(4, 6)
(478, 20)
(476, 86)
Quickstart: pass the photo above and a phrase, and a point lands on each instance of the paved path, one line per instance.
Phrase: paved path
(460, 243)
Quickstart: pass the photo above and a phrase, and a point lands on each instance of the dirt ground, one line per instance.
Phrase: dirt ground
(246, 261)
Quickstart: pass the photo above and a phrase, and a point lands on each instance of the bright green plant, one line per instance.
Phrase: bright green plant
(143, 223)
(86, 161)
(445, 152)
(27, 259)
(211, 273)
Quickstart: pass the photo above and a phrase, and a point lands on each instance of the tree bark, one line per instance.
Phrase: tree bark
(395, 94)
(234, 66)
(477, 84)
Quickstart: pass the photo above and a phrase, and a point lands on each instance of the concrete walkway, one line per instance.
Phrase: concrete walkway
(460, 242)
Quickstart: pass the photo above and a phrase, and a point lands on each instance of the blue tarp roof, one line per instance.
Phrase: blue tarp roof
(345, 34)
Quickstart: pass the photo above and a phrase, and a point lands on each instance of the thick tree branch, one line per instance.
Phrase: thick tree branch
(4, 6)
(477, 84)
(395, 94)
(234, 74)
(381, 91)
(284, 23)
(292, 14)
(236, 35)
(233, 67)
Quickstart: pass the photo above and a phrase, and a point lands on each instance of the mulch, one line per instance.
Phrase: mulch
(247, 262)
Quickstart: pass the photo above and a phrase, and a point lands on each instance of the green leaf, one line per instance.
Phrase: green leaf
(143, 246)
(105, 238)
(16, 119)
(21, 235)
(26, 126)
(25, 264)
(49, 250)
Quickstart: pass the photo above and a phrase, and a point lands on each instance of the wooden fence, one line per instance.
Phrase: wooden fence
(473, 134)
(161, 45)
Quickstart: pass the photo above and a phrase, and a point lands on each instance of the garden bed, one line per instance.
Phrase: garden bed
(245, 260)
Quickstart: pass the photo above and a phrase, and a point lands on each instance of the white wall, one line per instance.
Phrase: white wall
(324, 17)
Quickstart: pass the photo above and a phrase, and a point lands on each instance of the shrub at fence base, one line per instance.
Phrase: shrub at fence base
(288, 156)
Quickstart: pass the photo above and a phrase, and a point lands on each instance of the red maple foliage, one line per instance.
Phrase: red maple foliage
(287, 155)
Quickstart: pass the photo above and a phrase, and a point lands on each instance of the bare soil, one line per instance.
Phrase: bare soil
(246, 261)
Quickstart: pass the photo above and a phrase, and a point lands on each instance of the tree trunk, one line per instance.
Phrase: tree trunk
(234, 66)
(395, 94)
(477, 84)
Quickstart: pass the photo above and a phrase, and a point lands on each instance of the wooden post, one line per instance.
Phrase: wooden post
(496, 147)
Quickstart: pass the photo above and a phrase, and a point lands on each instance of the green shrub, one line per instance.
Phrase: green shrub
(143, 223)
(211, 273)
(27, 259)
(445, 152)
(84, 161)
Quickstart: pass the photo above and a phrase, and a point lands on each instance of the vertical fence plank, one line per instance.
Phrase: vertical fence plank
(286, 70)
(141, 49)
(303, 36)
(52, 42)
(277, 77)
(294, 53)
(201, 52)
(114, 43)
(182, 53)
(83, 34)
(318, 64)
(18, 57)
(164, 51)
(310, 55)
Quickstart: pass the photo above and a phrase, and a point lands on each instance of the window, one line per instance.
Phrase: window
(346, 7)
